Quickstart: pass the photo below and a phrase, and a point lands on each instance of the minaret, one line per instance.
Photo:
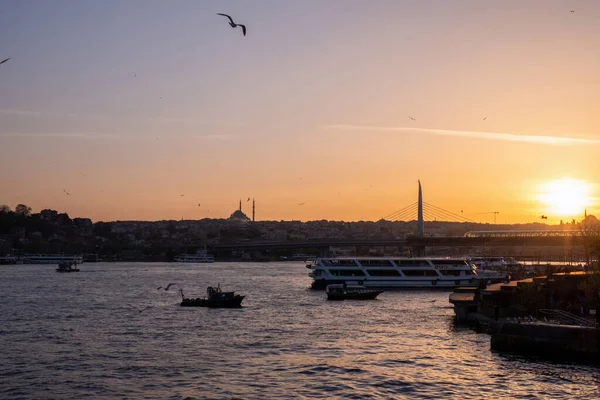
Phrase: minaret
(240, 204)
(253, 209)
(420, 223)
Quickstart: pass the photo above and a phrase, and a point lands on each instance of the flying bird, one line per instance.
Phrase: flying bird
(233, 24)
(3, 61)
(544, 217)
(198, 204)
(167, 288)
(141, 310)
(248, 199)
(484, 118)
(68, 194)
(301, 204)
(571, 11)
(411, 118)
(181, 195)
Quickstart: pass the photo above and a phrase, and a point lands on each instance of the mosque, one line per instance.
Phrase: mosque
(238, 215)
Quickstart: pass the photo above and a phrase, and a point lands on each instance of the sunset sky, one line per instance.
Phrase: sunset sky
(342, 105)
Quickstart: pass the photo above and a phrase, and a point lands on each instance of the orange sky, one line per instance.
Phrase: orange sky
(314, 105)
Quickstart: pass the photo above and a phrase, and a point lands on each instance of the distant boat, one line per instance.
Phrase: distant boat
(67, 267)
(8, 259)
(51, 259)
(351, 292)
(201, 257)
(195, 258)
(215, 299)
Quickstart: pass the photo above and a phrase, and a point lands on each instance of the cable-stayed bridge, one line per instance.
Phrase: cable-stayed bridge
(430, 213)
(420, 212)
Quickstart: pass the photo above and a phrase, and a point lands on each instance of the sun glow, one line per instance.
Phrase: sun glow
(565, 197)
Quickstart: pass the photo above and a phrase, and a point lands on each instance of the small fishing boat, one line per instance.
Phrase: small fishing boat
(67, 267)
(215, 299)
(351, 292)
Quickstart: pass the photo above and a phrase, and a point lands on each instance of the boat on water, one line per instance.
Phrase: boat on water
(392, 272)
(201, 257)
(215, 298)
(494, 262)
(67, 267)
(51, 259)
(494, 269)
(8, 259)
(351, 292)
(195, 258)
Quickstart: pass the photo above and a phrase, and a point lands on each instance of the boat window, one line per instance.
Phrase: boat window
(346, 272)
(419, 272)
(339, 263)
(375, 263)
(451, 272)
(448, 262)
(412, 263)
(383, 272)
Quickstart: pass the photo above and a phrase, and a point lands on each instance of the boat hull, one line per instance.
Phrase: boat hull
(234, 302)
(399, 284)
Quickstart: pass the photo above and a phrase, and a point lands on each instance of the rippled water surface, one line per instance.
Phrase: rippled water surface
(74, 336)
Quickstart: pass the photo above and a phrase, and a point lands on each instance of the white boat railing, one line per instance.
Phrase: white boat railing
(566, 318)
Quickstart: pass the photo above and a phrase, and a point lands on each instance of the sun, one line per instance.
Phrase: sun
(565, 197)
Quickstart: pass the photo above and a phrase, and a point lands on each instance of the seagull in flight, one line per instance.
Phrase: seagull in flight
(411, 118)
(181, 195)
(3, 61)
(167, 288)
(544, 217)
(68, 194)
(198, 204)
(233, 24)
(141, 310)
(248, 199)
(484, 118)
(301, 204)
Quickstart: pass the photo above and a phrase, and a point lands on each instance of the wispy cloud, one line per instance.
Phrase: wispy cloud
(511, 137)
(35, 113)
(60, 135)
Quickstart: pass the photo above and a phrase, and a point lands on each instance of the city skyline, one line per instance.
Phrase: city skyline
(143, 110)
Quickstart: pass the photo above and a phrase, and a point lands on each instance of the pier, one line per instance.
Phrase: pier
(550, 316)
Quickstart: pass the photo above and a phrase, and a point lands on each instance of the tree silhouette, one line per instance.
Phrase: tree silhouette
(4, 208)
(23, 210)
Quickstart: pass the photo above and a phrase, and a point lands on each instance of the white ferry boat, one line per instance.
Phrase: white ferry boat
(52, 259)
(383, 272)
(493, 262)
(199, 258)
(8, 259)
(493, 268)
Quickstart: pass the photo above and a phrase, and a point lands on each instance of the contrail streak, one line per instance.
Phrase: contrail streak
(510, 137)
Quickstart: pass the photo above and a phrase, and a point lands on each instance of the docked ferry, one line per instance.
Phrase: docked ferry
(383, 272)
(51, 259)
(494, 262)
(198, 258)
(8, 259)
